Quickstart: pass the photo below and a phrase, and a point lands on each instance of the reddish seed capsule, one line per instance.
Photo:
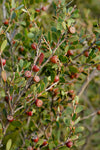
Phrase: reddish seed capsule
(44, 8)
(98, 113)
(38, 102)
(7, 98)
(6, 22)
(72, 76)
(35, 68)
(98, 67)
(72, 30)
(99, 48)
(56, 79)
(30, 148)
(36, 79)
(10, 118)
(28, 74)
(13, 42)
(80, 69)
(71, 91)
(29, 113)
(37, 10)
(55, 91)
(45, 143)
(70, 52)
(76, 75)
(41, 58)
(54, 59)
(69, 144)
(3, 62)
(86, 54)
(35, 139)
(30, 25)
(34, 46)
(21, 49)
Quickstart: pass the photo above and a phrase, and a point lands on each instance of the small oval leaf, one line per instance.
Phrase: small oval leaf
(4, 44)
(4, 76)
(8, 145)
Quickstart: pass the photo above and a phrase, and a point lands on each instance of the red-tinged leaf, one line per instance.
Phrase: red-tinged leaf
(4, 76)
(41, 58)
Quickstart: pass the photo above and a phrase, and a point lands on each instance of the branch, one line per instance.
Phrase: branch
(84, 50)
(87, 117)
(4, 9)
(89, 78)
(58, 44)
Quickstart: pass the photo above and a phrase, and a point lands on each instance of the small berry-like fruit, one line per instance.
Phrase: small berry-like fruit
(54, 59)
(56, 79)
(38, 102)
(21, 49)
(98, 67)
(99, 48)
(44, 8)
(98, 112)
(55, 91)
(41, 58)
(6, 22)
(30, 25)
(13, 42)
(71, 91)
(28, 74)
(29, 113)
(37, 10)
(72, 76)
(7, 98)
(80, 69)
(3, 62)
(45, 143)
(35, 139)
(10, 118)
(72, 30)
(70, 52)
(86, 54)
(29, 148)
(34, 46)
(76, 75)
(69, 144)
(35, 68)
(36, 79)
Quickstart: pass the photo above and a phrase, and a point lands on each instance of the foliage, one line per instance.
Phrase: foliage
(47, 102)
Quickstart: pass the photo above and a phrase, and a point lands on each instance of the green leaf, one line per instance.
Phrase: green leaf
(73, 69)
(13, 16)
(74, 137)
(16, 124)
(30, 35)
(19, 7)
(77, 120)
(63, 59)
(13, 4)
(64, 25)
(54, 36)
(51, 146)
(4, 44)
(79, 129)
(8, 145)
(79, 143)
(69, 110)
(52, 76)
(21, 62)
(79, 108)
(67, 122)
(40, 142)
